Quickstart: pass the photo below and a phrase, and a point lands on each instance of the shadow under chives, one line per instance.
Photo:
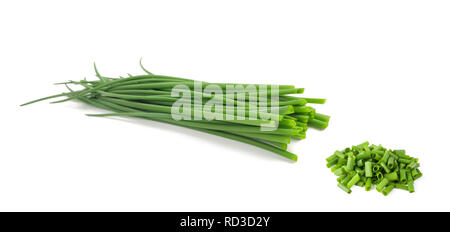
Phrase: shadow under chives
(212, 139)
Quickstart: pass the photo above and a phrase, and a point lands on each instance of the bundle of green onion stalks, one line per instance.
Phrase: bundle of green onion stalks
(269, 124)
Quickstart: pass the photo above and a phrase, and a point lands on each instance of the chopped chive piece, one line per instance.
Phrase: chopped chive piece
(410, 182)
(344, 188)
(376, 156)
(391, 162)
(401, 186)
(350, 163)
(360, 171)
(339, 172)
(376, 168)
(348, 178)
(416, 174)
(337, 166)
(404, 161)
(368, 168)
(385, 157)
(388, 189)
(382, 184)
(360, 163)
(340, 155)
(332, 162)
(341, 178)
(331, 157)
(386, 169)
(392, 176)
(379, 176)
(412, 165)
(368, 185)
(360, 183)
(403, 179)
(411, 186)
(364, 155)
(353, 181)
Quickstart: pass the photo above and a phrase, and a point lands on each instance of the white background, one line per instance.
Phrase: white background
(382, 65)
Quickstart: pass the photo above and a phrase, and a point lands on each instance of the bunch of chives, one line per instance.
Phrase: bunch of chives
(149, 96)
(368, 166)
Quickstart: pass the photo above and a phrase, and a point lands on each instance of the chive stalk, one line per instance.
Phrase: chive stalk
(149, 96)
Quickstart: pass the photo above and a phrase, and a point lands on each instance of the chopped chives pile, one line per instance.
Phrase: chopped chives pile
(149, 96)
(368, 166)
